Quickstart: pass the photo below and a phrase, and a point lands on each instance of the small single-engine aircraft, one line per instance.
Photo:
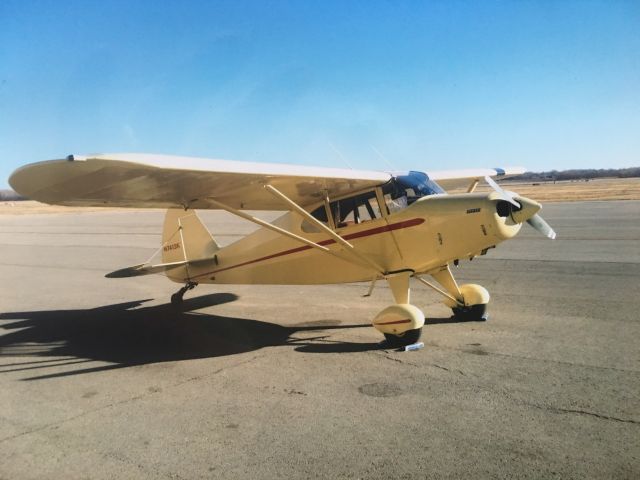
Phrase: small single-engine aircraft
(340, 225)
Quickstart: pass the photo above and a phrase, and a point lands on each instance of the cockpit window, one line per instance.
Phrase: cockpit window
(417, 185)
(403, 190)
(400, 192)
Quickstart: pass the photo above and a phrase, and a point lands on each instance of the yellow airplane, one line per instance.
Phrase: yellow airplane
(340, 225)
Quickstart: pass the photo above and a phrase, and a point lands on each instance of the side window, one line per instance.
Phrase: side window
(369, 209)
(395, 204)
(348, 211)
(395, 196)
(319, 213)
(345, 212)
(354, 210)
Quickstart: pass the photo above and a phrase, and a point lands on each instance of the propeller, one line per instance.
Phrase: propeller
(543, 227)
(535, 220)
(505, 195)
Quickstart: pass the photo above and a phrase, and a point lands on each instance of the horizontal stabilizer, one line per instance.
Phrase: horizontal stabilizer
(144, 269)
(148, 269)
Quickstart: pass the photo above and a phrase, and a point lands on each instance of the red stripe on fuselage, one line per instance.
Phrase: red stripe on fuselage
(365, 233)
(395, 322)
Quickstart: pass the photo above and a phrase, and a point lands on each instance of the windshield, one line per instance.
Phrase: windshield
(403, 190)
(418, 184)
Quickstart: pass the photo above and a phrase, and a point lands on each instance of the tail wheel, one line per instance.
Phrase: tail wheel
(176, 299)
(403, 339)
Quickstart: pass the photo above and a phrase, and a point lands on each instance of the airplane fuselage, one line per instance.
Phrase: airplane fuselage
(432, 232)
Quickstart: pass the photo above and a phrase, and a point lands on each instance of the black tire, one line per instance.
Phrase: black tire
(404, 339)
(473, 313)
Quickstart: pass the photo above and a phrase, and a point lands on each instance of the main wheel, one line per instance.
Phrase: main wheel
(403, 339)
(472, 313)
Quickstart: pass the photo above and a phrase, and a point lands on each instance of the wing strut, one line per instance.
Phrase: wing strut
(279, 230)
(350, 248)
(268, 225)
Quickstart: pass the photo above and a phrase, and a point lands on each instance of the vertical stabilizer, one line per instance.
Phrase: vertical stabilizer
(184, 237)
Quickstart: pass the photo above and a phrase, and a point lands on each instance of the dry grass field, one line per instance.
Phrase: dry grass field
(32, 207)
(574, 191)
(569, 191)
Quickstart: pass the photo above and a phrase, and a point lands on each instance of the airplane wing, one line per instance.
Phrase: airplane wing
(161, 181)
(451, 179)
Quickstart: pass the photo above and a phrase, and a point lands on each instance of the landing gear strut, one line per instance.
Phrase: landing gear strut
(468, 302)
(401, 324)
(176, 298)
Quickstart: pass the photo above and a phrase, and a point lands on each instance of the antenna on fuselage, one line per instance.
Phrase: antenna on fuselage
(342, 157)
(390, 165)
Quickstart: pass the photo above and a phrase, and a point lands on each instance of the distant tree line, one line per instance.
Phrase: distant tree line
(10, 196)
(579, 174)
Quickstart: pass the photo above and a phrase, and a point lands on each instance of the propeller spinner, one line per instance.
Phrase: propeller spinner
(526, 210)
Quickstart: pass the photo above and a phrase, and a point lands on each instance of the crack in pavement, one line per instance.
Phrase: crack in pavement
(389, 357)
(403, 362)
(548, 408)
(559, 410)
(582, 412)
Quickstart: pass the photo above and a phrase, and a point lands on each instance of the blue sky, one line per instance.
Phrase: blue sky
(430, 85)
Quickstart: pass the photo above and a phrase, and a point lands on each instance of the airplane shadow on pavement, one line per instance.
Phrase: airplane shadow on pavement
(128, 334)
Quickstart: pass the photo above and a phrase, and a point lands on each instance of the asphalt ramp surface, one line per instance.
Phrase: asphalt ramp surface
(101, 378)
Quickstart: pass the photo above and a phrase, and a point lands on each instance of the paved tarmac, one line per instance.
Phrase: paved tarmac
(99, 378)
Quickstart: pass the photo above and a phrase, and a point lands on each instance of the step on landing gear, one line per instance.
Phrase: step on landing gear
(176, 298)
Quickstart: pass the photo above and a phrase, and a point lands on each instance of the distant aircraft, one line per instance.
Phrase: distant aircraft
(340, 225)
